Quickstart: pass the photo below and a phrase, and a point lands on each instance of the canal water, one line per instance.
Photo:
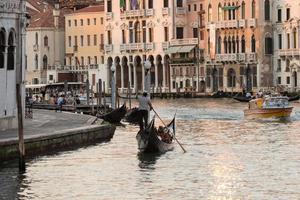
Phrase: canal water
(227, 157)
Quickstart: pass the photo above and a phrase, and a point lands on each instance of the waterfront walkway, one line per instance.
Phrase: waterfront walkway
(46, 122)
(51, 131)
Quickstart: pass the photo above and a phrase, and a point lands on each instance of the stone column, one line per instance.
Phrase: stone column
(164, 74)
(135, 78)
(122, 77)
(129, 75)
(143, 77)
(156, 76)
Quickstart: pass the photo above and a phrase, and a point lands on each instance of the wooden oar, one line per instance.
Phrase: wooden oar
(169, 129)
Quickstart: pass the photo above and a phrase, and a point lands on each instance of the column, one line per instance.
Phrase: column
(164, 74)
(143, 77)
(156, 76)
(135, 78)
(122, 77)
(129, 75)
(5, 81)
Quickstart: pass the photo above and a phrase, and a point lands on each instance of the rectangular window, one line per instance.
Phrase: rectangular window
(81, 22)
(288, 41)
(69, 22)
(95, 21)
(88, 40)
(268, 45)
(109, 6)
(109, 37)
(70, 41)
(279, 80)
(166, 3)
(101, 20)
(278, 65)
(75, 22)
(150, 34)
(166, 31)
(179, 3)
(173, 84)
(195, 7)
(50, 77)
(81, 40)
(123, 37)
(288, 13)
(150, 4)
(279, 41)
(95, 60)
(88, 22)
(95, 40)
(75, 41)
(102, 40)
(102, 59)
(279, 15)
(189, 8)
(181, 84)
(179, 32)
(288, 80)
(201, 35)
(195, 32)
(94, 79)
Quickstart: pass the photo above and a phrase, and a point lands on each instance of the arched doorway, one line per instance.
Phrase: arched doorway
(109, 64)
(167, 76)
(45, 62)
(139, 73)
(231, 78)
(215, 79)
(11, 51)
(2, 47)
(118, 72)
(202, 86)
(187, 83)
(249, 79)
(160, 71)
(152, 70)
(125, 71)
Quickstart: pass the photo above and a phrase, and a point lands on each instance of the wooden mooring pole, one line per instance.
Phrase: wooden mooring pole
(20, 129)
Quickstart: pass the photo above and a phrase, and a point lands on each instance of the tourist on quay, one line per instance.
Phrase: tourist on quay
(144, 108)
(60, 102)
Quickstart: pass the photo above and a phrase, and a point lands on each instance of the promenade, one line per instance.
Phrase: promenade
(50, 130)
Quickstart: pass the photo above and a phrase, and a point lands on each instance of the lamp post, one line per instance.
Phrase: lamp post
(113, 87)
(147, 66)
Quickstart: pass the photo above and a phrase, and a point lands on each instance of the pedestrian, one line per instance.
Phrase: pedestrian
(144, 108)
(60, 103)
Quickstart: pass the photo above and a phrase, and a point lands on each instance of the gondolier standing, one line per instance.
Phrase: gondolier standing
(144, 108)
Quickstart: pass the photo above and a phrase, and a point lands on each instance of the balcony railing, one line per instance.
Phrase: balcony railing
(242, 57)
(242, 23)
(149, 12)
(231, 57)
(180, 10)
(252, 23)
(227, 24)
(251, 57)
(134, 13)
(108, 48)
(109, 16)
(289, 52)
(165, 11)
(35, 47)
(165, 45)
(186, 41)
(183, 60)
(150, 46)
(132, 47)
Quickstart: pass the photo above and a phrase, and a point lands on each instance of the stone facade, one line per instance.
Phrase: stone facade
(287, 44)
(12, 42)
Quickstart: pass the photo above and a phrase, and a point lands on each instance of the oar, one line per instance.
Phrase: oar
(169, 129)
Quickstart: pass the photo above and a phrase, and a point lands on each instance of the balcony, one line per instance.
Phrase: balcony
(220, 24)
(133, 47)
(289, 52)
(251, 57)
(165, 45)
(35, 47)
(231, 24)
(252, 23)
(242, 23)
(149, 12)
(186, 41)
(165, 11)
(108, 48)
(109, 16)
(75, 48)
(180, 11)
(150, 46)
(231, 57)
(135, 13)
(188, 61)
(242, 57)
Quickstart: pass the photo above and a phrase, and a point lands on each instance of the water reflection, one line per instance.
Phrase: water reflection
(147, 161)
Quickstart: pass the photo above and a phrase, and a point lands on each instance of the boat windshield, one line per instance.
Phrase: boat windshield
(275, 102)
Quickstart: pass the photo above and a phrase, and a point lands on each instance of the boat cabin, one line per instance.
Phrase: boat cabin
(269, 102)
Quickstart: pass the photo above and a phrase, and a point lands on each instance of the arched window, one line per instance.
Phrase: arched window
(36, 62)
(225, 13)
(267, 10)
(243, 10)
(11, 51)
(219, 44)
(220, 12)
(45, 62)
(253, 9)
(253, 45)
(287, 65)
(89, 60)
(137, 30)
(150, 4)
(2, 48)
(268, 45)
(233, 45)
(225, 45)
(46, 41)
(95, 60)
(36, 38)
(243, 44)
(209, 18)
(237, 43)
(229, 13)
(82, 60)
(229, 44)
(294, 38)
(233, 12)
(231, 78)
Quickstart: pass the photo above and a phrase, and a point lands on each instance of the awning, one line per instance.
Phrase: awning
(186, 49)
(230, 7)
(173, 49)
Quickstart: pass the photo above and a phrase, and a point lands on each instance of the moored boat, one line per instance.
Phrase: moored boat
(116, 115)
(149, 141)
(268, 107)
(242, 98)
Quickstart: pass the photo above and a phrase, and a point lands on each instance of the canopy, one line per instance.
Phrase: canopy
(230, 7)
(173, 49)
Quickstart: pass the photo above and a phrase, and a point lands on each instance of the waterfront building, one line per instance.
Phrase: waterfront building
(239, 45)
(45, 42)
(84, 41)
(12, 40)
(136, 31)
(286, 22)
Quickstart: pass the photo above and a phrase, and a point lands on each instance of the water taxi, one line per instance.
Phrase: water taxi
(268, 107)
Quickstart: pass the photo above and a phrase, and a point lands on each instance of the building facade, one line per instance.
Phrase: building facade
(12, 40)
(45, 41)
(84, 41)
(239, 45)
(286, 24)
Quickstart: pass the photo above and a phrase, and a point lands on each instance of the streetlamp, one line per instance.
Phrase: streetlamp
(113, 86)
(147, 66)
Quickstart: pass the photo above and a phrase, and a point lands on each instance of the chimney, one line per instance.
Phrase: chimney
(56, 13)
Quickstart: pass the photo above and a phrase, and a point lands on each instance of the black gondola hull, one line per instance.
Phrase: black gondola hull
(116, 115)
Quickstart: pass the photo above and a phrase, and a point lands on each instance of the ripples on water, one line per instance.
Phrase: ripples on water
(227, 158)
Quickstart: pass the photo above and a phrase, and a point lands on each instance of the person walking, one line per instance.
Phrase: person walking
(144, 108)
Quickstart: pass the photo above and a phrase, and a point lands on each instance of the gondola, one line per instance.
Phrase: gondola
(132, 116)
(116, 115)
(242, 99)
(149, 142)
(294, 98)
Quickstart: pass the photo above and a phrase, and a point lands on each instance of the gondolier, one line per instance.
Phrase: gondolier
(144, 107)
